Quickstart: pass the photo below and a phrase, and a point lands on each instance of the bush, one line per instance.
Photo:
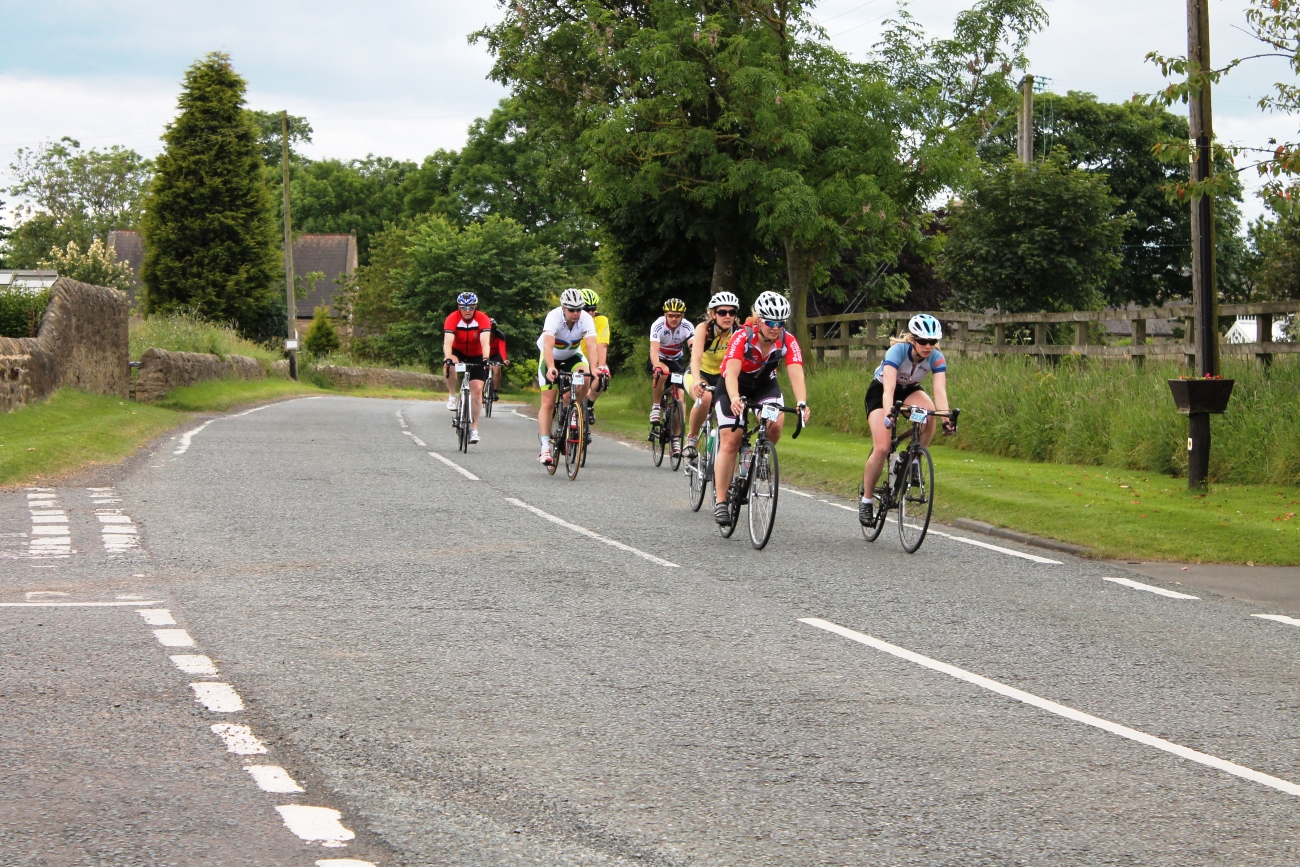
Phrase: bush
(185, 332)
(21, 311)
(1100, 413)
(321, 339)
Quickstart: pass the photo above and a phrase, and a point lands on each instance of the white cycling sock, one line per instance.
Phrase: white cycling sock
(868, 500)
(545, 440)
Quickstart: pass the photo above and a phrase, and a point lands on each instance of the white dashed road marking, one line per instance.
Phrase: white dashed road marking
(316, 824)
(1148, 588)
(455, 466)
(239, 739)
(134, 603)
(1279, 618)
(198, 665)
(217, 697)
(187, 438)
(589, 534)
(274, 779)
(1060, 709)
(116, 528)
(50, 537)
(173, 638)
(157, 616)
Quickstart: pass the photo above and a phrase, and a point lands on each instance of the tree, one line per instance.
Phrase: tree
(322, 339)
(515, 277)
(270, 136)
(73, 195)
(1121, 141)
(209, 228)
(1034, 237)
(97, 265)
(1274, 264)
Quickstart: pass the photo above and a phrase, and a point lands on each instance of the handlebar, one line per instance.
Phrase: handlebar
(951, 414)
(798, 415)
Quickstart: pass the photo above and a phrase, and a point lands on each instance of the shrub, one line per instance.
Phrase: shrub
(321, 339)
(21, 311)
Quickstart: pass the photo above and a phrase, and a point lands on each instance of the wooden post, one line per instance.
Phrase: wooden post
(846, 328)
(1264, 334)
(812, 333)
(291, 312)
(1081, 337)
(1190, 340)
(1025, 121)
(1205, 289)
(1139, 340)
(1040, 333)
(999, 338)
(963, 336)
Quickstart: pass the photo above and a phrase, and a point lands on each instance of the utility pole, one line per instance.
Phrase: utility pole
(1025, 121)
(291, 342)
(1205, 289)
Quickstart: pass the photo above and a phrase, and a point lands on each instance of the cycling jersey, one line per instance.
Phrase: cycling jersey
(568, 338)
(497, 349)
(465, 333)
(911, 370)
(602, 329)
(755, 367)
(671, 340)
(715, 347)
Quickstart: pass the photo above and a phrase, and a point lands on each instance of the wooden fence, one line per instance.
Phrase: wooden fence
(869, 333)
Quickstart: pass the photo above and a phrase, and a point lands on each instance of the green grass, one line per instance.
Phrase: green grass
(1118, 513)
(222, 395)
(72, 431)
(183, 332)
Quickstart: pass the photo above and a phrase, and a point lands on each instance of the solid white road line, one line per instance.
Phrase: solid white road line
(173, 638)
(217, 697)
(1033, 558)
(192, 664)
(591, 535)
(134, 603)
(239, 739)
(343, 862)
(272, 778)
(157, 616)
(1148, 588)
(1280, 618)
(415, 439)
(455, 466)
(1060, 709)
(251, 411)
(188, 436)
(316, 824)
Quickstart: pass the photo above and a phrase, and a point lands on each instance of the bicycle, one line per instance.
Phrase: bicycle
(670, 427)
(461, 421)
(699, 469)
(589, 418)
(490, 394)
(568, 425)
(757, 479)
(910, 486)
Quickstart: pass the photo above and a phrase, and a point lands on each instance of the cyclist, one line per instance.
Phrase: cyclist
(909, 359)
(602, 351)
(568, 337)
(465, 338)
(668, 337)
(749, 376)
(707, 348)
(497, 354)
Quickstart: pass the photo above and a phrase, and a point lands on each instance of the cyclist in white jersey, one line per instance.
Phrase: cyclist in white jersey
(909, 361)
(669, 338)
(568, 331)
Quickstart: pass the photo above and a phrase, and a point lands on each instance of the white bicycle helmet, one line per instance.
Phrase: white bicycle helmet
(723, 298)
(770, 305)
(572, 299)
(925, 326)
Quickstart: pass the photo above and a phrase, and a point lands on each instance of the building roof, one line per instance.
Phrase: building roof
(128, 248)
(334, 256)
(30, 280)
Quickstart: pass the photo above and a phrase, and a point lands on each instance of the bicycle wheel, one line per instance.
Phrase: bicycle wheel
(916, 502)
(657, 439)
(764, 487)
(674, 429)
(462, 420)
(695, 471)
(557, 436)
(489, 395)
(872, 533)
(575, 444)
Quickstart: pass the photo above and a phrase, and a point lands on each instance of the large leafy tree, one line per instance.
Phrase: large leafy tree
(73, 195)
(515, 277)
(211, 243)
(1042, 236)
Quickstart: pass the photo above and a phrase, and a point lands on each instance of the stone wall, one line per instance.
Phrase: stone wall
(162, 370)
(82, 343)
(370, 377)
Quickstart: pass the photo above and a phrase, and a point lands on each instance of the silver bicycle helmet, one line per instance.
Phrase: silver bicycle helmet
(925, 326)
(572, 299)
(770, 305)
(723, 299)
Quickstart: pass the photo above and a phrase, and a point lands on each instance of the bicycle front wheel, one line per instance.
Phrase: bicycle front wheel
(916, 502)
(462, 421)
(673, 429)
(575, 443)
(695, 474)
(764, 487)
(872, 533)
(557, 437)
(657, 439)
(489, 396)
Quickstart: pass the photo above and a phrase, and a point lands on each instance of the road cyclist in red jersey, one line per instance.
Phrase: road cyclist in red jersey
(669, 337)
(911, 358)
(497, 355)
(749, 379)
(568, 339)
(466, 339)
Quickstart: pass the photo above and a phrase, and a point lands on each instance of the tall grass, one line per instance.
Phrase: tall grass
(1097, 412)
(185, 332)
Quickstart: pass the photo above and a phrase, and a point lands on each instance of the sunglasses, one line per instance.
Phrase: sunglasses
(721, 312)
(774, 323)
(920, 342)
(468, 309)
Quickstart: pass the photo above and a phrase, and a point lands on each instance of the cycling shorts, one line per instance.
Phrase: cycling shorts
(562, 364)
(767, 392)
(496, 358)
(710, 380)
(476, 369)
(876, 395)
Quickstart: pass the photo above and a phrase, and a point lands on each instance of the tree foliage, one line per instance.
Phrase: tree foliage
(1034, 237)
(96, 265)
(209, 229)
(322, 338)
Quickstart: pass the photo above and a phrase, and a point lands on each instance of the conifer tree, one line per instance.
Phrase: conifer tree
(321, 338)
(209, 224)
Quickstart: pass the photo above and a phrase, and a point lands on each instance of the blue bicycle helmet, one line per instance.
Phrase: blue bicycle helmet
(467, 299)
(925, 326)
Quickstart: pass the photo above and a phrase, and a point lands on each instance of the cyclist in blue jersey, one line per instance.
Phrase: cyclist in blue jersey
(909, 360)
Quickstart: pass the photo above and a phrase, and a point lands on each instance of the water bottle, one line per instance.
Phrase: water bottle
(744, 461)
(895, 469)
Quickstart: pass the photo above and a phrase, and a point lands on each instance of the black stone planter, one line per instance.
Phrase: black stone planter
(1198, 399)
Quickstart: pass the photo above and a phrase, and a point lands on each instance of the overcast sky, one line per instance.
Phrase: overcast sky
(399, 78)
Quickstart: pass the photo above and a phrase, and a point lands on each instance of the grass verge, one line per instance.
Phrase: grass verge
(74, 430)
(1117, 513)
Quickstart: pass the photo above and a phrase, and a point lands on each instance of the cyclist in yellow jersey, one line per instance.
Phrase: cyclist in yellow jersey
(602, 352)
(707, 348)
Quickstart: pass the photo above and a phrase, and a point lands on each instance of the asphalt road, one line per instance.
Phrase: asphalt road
(476, 663)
